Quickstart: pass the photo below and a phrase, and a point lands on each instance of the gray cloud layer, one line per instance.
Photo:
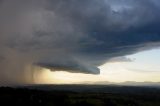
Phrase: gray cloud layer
(72, 35)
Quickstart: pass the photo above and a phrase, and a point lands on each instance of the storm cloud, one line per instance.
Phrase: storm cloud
(72, 35)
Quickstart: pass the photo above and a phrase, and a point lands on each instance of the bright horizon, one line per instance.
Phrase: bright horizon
(144, 67)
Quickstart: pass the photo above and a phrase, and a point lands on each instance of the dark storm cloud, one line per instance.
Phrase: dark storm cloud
(1, 58)
(73, 35)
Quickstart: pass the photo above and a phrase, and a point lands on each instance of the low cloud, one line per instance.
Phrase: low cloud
(121, 59)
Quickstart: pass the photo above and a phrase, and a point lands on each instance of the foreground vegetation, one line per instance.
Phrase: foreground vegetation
(31, 97)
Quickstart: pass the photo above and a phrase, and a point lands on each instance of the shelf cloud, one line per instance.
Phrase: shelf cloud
(72, 35)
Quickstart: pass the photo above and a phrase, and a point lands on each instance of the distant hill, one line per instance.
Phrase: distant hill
(132, 83)
(120, 89)
(127, 83)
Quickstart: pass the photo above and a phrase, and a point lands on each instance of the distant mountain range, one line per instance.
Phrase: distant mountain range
(127, 83)
(132, 83)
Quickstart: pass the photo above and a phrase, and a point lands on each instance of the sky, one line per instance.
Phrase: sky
(143, 67)
(59, 41)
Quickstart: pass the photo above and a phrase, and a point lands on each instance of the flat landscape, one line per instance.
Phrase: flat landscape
(80, 95)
